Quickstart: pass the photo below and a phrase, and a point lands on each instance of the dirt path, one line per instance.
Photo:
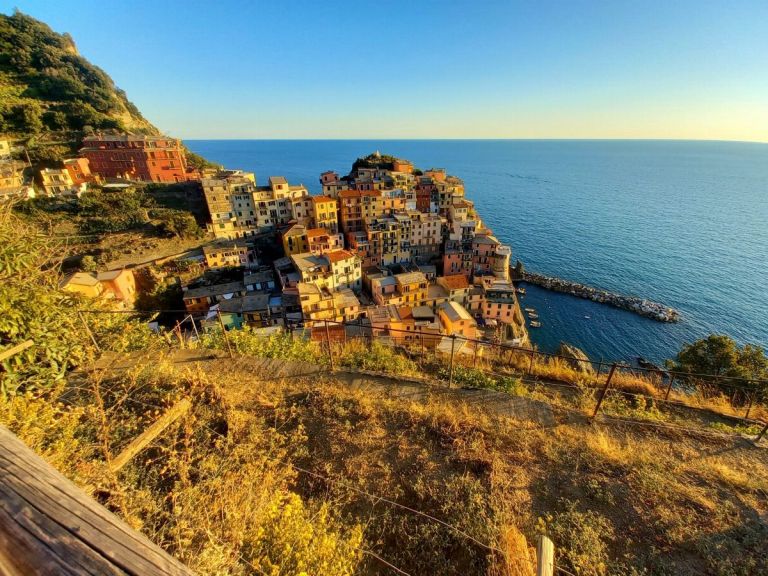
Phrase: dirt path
(536, 413)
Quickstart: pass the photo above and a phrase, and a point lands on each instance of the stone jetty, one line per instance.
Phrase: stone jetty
(640, 306)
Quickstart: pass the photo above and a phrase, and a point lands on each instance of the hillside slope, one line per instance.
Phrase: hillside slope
(50, 93)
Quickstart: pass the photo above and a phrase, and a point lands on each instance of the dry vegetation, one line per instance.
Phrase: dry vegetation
(275, 477)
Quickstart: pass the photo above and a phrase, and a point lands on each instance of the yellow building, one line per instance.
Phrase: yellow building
(325, 213)
(456, 320)
(227, 253)
(319, 304)
(56, 182)
(295, 240)
(83, 283)
(407, 289)
(334, 270)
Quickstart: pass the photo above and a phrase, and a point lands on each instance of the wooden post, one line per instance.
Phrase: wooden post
(141, 442)
(669, 388)
(328, 341)
(450, 373)
(88, 330)
(604, 391)
(5, 354)
(762, 433)
(194, 327)
(474, 358)
(50, 526)
(224, 332)
(545, 557)
(177, 329)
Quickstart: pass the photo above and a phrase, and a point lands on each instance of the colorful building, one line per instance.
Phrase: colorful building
(228, 253)
(121, 284)
(456, 320)
(325, 213)
(137, 157)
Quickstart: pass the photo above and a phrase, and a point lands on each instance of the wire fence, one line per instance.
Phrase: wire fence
(618, 390)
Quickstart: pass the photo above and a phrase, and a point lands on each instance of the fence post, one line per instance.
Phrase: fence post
(604, 390)
(474, 359)
(450, 373)
(224, 331)
(762, 433)
(88, 330)
(328, 341)
(530, 364)
(545, 557)
(669, 388)
(749, 406)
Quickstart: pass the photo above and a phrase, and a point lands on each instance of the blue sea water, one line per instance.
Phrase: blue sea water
(682, 223)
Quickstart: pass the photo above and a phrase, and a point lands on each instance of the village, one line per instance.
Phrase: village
(388, 247)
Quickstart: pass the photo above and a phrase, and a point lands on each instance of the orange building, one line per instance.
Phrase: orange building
(357, 205)
(145, 158)
(79, 170)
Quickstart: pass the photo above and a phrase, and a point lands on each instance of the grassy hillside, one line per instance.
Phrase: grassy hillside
(51, 94)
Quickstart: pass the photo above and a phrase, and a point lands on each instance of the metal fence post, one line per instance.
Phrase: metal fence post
(604, 391)
(669, 388)
(328, 341)
(224, 331)
(749, 406)
(530, 364)
(450, 373)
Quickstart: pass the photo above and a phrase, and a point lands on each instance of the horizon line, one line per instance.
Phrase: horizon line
(390, 139)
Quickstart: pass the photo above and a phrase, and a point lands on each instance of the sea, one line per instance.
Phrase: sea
(683, 223)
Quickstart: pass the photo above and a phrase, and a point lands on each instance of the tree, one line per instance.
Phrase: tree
(719, 355)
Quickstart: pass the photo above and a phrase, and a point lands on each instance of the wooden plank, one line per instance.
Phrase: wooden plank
(49, 526)
(141, 442)
(545, 557)
(7, 353)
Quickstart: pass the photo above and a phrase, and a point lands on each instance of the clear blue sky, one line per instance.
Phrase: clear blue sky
(420, 69)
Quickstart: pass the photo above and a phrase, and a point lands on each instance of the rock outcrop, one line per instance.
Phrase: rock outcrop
(575, 357)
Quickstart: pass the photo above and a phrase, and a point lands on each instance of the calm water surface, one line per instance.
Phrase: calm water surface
(682, 223)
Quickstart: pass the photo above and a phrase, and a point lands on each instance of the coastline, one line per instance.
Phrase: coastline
(640, 306)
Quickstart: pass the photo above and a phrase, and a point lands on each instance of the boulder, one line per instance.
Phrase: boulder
(573, 356)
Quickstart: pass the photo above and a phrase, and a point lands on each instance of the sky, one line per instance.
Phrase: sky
(680, 69)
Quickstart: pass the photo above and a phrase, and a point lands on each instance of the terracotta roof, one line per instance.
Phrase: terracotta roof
(317, 199)
(359, 193)
(455, 282)
(313, 232)
(338, 256)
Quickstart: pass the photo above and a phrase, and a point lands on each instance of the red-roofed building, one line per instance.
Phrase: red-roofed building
(145, 158)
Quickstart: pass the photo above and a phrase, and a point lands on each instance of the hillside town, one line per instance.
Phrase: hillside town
(387, 246)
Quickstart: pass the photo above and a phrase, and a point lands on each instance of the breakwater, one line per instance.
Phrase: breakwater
(640, 306)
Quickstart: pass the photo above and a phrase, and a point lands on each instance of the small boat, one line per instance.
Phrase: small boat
(530, 310)
(587, 317)
(521, 291)
(535, 324)
(533, 316)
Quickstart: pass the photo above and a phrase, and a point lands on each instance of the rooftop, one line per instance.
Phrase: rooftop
(214, 290)
(262, 276)
(321, 199)
(455, 282)
(274, 180)
(307, 262)
(250, 303)
(80, 279)
(338, 256)
(410, 278)
(455, 311)
(107, 276)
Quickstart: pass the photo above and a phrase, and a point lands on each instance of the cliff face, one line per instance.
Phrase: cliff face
(48, 92)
